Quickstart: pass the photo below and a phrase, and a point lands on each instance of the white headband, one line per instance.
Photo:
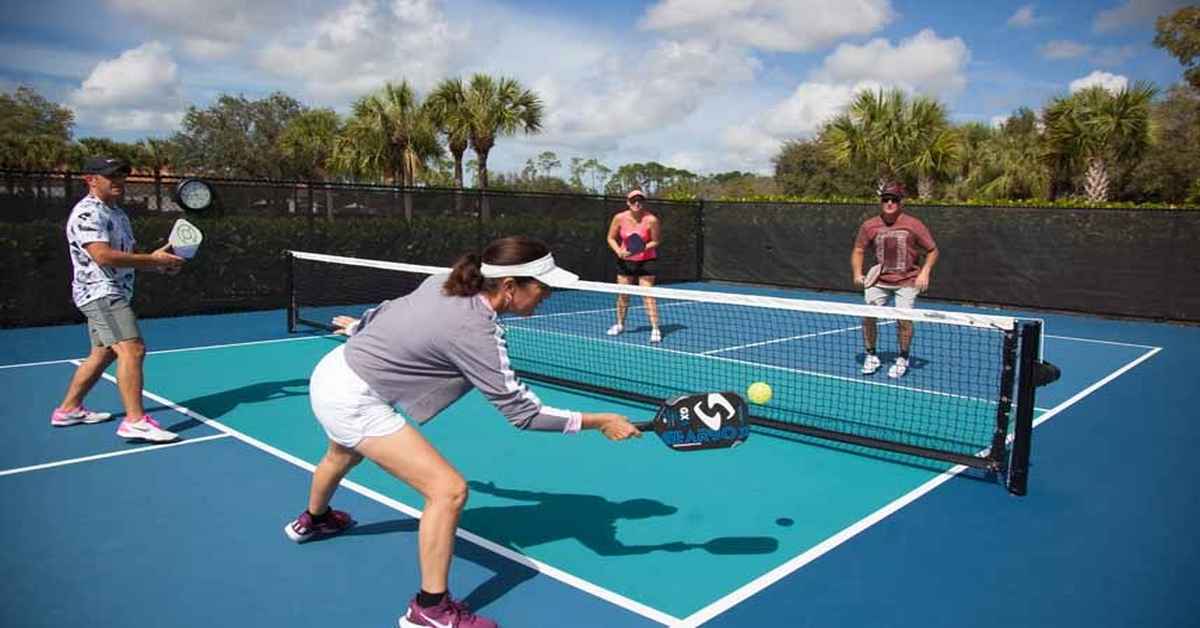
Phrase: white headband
(542, 269)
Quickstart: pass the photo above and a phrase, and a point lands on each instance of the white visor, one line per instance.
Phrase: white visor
(542, 269)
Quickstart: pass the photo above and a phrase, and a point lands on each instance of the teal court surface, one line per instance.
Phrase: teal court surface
(578, 531)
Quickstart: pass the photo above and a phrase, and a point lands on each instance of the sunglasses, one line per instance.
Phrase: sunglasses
(637, 200)
(889, 199)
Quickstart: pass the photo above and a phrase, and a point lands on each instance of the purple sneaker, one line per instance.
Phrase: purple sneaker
(63, 418)
(304, 528)
(448, 614)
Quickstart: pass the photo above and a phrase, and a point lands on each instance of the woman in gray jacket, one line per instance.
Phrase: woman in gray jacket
(420, 353)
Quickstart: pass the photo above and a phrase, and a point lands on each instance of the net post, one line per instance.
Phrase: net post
(998, 453)
(700, 241)
(291, 292)
(1018, 472)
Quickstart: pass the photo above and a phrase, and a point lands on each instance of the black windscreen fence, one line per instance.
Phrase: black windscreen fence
(1122, 262)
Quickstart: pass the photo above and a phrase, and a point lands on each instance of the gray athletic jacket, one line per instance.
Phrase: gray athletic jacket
(423, 351)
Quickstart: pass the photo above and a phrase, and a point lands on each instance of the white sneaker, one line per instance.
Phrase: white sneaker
(616, 329)
(655, 336)
(147, 429)
(898, 369)
(63, 418)
(870, 364)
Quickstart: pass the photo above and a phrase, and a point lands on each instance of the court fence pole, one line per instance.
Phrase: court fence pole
(291, 292)
(1018, 471)
(700, 241)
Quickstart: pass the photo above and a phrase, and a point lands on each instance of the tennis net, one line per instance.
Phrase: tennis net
(955, 402)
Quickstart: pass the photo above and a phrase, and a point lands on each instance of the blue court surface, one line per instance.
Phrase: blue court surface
(577, 531)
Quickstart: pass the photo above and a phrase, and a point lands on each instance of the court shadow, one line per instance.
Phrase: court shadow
(589, 519)
(219, 404)
(666, 330)
(506, 574)
(915, 363)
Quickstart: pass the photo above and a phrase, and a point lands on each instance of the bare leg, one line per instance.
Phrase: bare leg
(647, 281)
(870, 333)
(623, 299)
(86, 375)
(904, 335)
(130, 356)
(334, 466)
(408, 456)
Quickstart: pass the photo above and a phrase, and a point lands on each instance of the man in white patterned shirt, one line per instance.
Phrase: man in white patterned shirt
(101, 247)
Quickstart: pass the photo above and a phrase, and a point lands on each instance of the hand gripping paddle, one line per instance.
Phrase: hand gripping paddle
(701, 421)
(635, 244)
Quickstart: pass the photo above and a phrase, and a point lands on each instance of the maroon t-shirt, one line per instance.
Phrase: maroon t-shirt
(898, 247)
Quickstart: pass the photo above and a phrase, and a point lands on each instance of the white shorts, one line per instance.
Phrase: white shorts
(346, 406)
(905, 296)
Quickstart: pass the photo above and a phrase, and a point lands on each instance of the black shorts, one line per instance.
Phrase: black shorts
(644, 268)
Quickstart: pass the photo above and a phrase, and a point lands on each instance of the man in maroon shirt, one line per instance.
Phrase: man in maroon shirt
(899, 241)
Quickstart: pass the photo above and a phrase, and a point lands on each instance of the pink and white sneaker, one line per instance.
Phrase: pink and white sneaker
(147, 430)
(63, 418)
(449, 614)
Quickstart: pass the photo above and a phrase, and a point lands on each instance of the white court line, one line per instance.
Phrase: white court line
(802, 337)
(543, 568)
(76, 361)
(771, 577)
(1102, 342)
(111, 454)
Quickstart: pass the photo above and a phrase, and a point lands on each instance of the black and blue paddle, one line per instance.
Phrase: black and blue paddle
(701, 421)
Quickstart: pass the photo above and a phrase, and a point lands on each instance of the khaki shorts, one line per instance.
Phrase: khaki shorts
(345, 405)
(110, 320)
(904, 296)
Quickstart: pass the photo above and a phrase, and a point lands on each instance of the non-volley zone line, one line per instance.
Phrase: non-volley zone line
(111, 454)
(787, 568)
(569, 579)
(76, 361)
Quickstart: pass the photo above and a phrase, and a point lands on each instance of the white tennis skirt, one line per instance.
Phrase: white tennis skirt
(346, 406)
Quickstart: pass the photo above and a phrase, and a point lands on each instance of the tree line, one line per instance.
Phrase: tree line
(1135, 144)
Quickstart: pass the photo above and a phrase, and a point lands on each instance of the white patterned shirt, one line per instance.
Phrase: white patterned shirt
(93, 221)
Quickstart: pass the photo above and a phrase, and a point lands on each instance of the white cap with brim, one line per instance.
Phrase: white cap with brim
(543, 269)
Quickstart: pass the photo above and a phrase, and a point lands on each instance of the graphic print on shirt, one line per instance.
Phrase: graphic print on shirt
(93, 221)
(891, 250)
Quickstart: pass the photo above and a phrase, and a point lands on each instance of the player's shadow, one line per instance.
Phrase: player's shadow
(219, 404)
(915, 363)
(589, 519)
(666, 330)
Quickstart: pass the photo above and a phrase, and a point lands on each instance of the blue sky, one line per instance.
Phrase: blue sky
(707, 85)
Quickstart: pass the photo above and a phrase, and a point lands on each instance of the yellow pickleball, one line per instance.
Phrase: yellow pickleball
(759, 392)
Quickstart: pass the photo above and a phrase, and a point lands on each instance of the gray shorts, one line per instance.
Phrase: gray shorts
(110, 320)
(905, 296)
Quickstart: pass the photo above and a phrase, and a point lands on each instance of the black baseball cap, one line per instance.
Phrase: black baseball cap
(106, 166)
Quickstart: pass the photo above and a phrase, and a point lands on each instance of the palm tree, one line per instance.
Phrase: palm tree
(157, 154)
(1100, 130)
(448, 110)
(935, 146)
(389, 133)
(308, 143)
(498, 107)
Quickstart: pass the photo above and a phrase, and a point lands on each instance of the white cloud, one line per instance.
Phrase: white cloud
(669, 83)
(1114, 55)
(923, 63)
(778, 25)
(998, 121)
(1133, 12)
(217, 28)
(137, 91)
(365, 43)
(1064, 49)
(1111, 82)
(1023, 18)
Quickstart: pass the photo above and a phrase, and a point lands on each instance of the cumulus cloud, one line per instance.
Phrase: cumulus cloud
(1133, 12)
(924, 63)
(1111, 82)
(671, 81)
(777, 25)
(364, 43)
(137, 91)
(1023, 18)
(1064, 49)
(216, 28)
